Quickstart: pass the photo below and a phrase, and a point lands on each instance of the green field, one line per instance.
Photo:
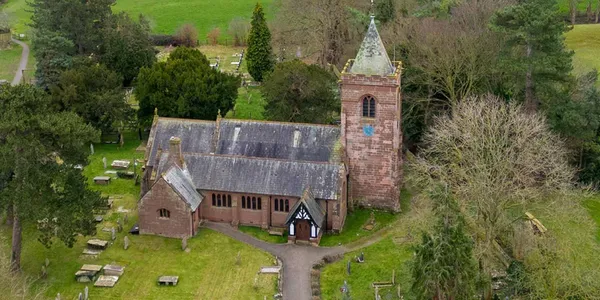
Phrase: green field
(20, 14)
(563, 6)
(9, 62)
(585, 41)
(166, 16)
(207, 271)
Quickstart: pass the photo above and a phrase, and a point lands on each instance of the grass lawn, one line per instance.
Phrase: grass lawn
(585, 41)
(20, 15)
(593, 206)
(563, 6)
(353, 227)
(207, 271)
(167, 16)
(249, 105)
(263, 234)
(9, 62)
(380, 260)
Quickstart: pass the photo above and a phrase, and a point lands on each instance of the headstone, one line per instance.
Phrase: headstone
(104, 162)
(361, 257)
(126, 219)
(184, 243)
(125, 243)
(238, 259)
(86, 293)
(44, 273)
(80, 297)
(119, 225)
(57, 297)
(47, 262)
(113, 234)
(92, 148)
(348, 267)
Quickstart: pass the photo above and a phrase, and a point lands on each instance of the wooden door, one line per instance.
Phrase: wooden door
(302, 230)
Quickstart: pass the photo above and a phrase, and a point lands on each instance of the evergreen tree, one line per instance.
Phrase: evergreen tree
(444, 267)
(385, 10)
(297, 92)
(39, 148)
(185, 86)
(259, 57)
(535, 49)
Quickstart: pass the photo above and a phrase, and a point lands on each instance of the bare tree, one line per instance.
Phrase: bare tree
(319, 26)
(493, 156)
(573, 10)
(238, 30)
(597, 11)
(187, 35)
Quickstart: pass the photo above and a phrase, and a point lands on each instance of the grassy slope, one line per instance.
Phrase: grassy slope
(9, 62)
(353, 227)
(204, 271)
(593, 206)
(585, 41)
(19, 12)
(563, 6)
(167, 16)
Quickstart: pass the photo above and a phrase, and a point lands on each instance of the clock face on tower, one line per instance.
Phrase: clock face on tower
(368, 130)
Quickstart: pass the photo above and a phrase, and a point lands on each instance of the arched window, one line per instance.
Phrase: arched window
(368, 106)
(228, 200)
(287, 205)
(259, 203)
(164, 213)
(219, 200)
(276, 204)
(253, 203)
(243, 202)
(214, 200)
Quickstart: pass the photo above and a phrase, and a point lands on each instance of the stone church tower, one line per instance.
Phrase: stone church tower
(370, 124)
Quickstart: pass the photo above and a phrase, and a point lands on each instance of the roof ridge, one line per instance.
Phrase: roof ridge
(258, 158)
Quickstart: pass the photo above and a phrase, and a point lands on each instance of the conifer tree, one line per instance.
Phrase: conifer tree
(260, 54)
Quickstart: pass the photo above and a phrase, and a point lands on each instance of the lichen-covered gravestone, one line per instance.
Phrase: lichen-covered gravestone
(86, 293)
(119, 225)
(184, 243)
(47, 262)
(113, 234)
(104, 162)
(125, 243)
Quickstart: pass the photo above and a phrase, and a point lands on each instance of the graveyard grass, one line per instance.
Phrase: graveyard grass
(208, 271)
(585, 41)
(263, 234)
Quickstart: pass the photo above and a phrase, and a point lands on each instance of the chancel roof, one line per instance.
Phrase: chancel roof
(372, 58)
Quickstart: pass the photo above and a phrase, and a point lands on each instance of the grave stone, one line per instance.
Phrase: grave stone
(126, 219)
(113, 234)
(92, 148)
(361, 257)
(57, 296)
(238, 259)
(47, 262)
(125, 243)
(184, 243)
(113, 270)
(119, 225)
(104, 162)
(86, 293)
(348, 267)
(106, 281)
(44, 273)
(80, 297)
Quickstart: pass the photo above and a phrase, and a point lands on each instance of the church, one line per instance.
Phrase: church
(292, 176)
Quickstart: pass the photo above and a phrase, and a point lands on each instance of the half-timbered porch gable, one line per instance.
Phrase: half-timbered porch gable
(306, 218)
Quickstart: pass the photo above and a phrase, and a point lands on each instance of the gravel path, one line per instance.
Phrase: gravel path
(22, 64)
(297, 259)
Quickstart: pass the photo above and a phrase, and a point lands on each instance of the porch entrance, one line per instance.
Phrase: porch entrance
(302, 230)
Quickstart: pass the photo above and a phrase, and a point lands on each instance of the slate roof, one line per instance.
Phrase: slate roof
(182, 184)
(307, 142)
(261, 176)
(315, 210)
(372, 59)
(196, 135)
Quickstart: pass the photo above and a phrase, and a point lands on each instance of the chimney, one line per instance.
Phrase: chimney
(175, 154)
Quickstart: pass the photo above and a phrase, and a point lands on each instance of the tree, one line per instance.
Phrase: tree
(573, 5)
(184, 86)
(213, 36)
(187, 35)
(100, 103)
(238, 29)
(493, 156)
(385, 10)
(40, 147)
(259, 57)
(444, 267)
(53, 54)
(5, 22)
(296, 92)
(536, 53)
(126, 46)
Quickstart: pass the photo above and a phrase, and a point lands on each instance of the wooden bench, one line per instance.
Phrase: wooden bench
(102, 180)
(168, 280)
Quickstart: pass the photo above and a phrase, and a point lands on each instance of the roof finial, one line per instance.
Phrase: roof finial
(155, 119)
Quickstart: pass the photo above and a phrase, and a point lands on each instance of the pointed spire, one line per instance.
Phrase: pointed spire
(372, 59)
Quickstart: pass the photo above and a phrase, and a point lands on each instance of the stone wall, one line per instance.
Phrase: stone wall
(178, 225)
(374, 159)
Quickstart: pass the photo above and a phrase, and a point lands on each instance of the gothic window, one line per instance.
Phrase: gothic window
(164, 213)
(228, 200)
(282, 206)
(223, 200)
(214, 200)
(253, 202)
(276, 204)
(243, 202)
(219, 200)
(368, 107)
(259, 203)
(287, 205)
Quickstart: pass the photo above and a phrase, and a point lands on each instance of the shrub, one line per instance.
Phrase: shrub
(187, 35)
(238, 30)
(163, 40)
(213, 36)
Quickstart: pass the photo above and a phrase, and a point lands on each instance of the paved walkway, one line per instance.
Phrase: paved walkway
(297, 260)
(22, 64)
